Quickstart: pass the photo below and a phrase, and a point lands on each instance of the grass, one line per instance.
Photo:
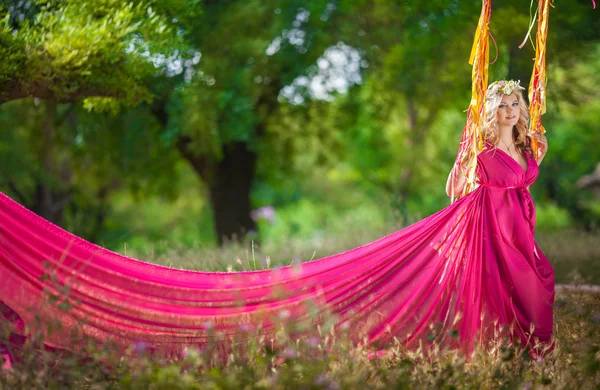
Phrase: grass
(328, 362)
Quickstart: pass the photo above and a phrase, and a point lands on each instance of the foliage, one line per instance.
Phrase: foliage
(232, 83)
(67, 50)
(64, 151)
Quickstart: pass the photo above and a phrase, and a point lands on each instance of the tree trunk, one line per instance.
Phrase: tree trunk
(229, 183)
(50, 202)
(230, 179)
(230, 192)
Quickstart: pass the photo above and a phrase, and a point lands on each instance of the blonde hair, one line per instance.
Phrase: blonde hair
(493, 99)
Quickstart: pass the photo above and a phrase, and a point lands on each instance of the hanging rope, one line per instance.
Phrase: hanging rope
(472, 138)
(537, 86)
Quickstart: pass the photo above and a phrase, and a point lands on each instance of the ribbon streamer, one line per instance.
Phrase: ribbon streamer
(472, 138)
(537, 85)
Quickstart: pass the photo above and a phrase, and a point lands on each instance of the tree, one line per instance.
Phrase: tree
(66, 51)
(250, 51)
(63, 162)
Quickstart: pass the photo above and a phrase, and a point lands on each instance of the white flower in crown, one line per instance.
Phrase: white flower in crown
(507, 87)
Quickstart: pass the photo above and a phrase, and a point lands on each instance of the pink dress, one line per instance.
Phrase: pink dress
(458, 277)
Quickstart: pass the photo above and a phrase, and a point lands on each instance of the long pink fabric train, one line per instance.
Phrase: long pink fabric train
(470, 268)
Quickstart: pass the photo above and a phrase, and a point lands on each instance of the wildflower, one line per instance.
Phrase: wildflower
(284, 314)
(140, 347)
(290, 353)
(320, 380)
(208, 325)
(313, 341)
(323, 381)
(266, 212)
(539, 359)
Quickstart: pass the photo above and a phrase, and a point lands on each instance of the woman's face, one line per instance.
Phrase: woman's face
(508, 111)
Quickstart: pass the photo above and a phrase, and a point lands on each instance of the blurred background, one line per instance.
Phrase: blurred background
(170, 129)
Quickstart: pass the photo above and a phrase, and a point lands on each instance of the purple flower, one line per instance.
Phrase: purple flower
(290, 353)
(539, 359)
(140, 347)
(333, 385)
(245, 327)
(266, 212)
(320, 380)
(323, 381)
(313, 341)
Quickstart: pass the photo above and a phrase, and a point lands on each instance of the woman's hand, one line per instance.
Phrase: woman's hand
(542, 144)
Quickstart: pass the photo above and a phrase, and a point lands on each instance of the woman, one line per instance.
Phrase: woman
(505, 127)
(458, 278)
(518, 279)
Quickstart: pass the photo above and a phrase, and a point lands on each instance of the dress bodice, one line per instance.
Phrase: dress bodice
(495, 168)
(507, 184)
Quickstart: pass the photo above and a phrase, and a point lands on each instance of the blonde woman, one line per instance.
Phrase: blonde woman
(505, 128)
(517, 284)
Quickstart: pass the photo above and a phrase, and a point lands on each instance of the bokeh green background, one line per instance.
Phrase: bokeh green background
(153, 125)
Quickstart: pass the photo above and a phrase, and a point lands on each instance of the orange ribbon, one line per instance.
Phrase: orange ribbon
(537, 85)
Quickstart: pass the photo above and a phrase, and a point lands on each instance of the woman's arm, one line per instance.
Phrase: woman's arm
(542, 146)
(459, 181)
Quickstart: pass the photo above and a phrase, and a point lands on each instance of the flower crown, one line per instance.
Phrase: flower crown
(507, 87)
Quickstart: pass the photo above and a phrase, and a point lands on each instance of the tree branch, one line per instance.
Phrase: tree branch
(65, 115)
(199, 163)
(45, 91)
(18, 193)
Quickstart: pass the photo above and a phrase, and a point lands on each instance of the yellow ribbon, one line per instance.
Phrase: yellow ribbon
(537, 85)
(472, 139)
